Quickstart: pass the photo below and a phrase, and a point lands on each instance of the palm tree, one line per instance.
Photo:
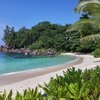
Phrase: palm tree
(90, 25)
(92, 9)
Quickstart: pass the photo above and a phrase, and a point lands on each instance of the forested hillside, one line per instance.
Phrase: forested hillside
(82, 36)
(43, 36)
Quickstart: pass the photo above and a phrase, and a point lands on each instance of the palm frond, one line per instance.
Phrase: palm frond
(90, 38)
(86, 5)
(80, 25)
(92, 8)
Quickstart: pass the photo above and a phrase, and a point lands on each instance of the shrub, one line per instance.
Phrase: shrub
(73, 85)
(96, 53)
(35, 46)
(90, 43)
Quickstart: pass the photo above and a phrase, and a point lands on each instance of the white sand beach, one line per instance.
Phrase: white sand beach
(20, 81)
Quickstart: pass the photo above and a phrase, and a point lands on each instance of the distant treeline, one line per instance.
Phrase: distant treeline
(45, 35)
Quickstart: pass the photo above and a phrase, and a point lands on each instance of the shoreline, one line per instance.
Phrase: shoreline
(31, 79)
(38, 69)
(10, 78)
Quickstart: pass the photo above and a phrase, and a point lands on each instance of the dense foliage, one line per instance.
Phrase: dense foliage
(83, 36)
(43, 36)
(96, 53)
(88, 25)
(73, 85)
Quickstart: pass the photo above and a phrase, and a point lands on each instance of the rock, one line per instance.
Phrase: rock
(27, 51)
(50, 52)
(7, 47)
(34, 53)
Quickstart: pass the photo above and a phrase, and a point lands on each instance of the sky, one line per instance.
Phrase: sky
(19, 13)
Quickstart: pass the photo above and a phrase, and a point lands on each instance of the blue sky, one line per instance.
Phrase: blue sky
(28, 13)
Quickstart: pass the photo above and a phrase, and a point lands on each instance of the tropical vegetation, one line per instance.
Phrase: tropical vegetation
(88, 25)
(73, 85)
(83, 36)
(96, 53)
(44, 35)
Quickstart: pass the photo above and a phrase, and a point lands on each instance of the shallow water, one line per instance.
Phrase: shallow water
(18, 62)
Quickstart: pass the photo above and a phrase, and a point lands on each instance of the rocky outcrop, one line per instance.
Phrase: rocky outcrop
(27, 51)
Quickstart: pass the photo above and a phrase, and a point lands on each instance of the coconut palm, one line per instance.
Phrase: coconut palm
(88, 25)
(92, 8)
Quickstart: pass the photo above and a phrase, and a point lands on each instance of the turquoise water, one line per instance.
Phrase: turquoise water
(17, 62)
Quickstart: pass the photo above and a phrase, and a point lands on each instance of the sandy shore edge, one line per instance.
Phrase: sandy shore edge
(11, 78)
(20, 81)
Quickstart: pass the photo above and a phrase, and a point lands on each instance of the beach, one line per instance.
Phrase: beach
(23, 80)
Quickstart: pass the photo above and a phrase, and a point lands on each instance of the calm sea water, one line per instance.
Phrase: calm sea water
(17, 62)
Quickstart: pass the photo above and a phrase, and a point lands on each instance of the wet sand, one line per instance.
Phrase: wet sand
(16, 77)
(20, 81)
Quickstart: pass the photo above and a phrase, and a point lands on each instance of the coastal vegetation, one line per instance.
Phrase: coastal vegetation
(73, 85)
(82, 36)
(42, 36)
(96, 53)
(88, 25)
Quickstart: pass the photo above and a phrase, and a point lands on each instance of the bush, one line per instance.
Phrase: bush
(36, 46)
(96, 53)
(90, 43)
(98, 45)
(73, 85)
